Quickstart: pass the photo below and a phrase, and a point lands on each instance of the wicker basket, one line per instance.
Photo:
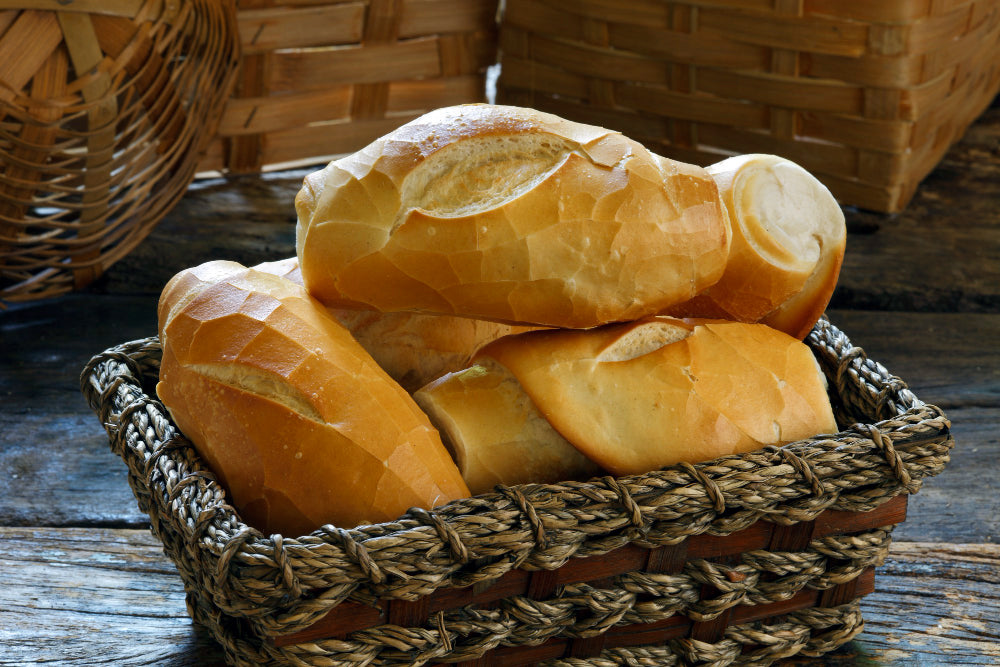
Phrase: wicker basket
(745, 559)
(103, 109)
(866, 94)
(320, 78)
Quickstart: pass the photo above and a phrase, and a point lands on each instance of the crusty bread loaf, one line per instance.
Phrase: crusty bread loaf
(413, 348)
(510, 214)
(295, 418)
(788, 243)
(495, 433)
(638, 396)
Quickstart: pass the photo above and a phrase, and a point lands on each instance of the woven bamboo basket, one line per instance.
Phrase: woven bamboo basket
(320, 78)
(104, 107)
(868, 95)
(741, 560)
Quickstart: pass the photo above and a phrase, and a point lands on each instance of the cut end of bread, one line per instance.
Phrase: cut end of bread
(787, 233)
(495, 433)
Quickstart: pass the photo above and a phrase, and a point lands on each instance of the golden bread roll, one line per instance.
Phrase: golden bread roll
(495, 433)
(413, 348)
(298, 422)
(509, 214)
(788, 241)
(638, 396)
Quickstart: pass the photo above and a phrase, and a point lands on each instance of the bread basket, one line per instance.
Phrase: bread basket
(324, 77)
(105, 108)
(741, 560)
(868, 96)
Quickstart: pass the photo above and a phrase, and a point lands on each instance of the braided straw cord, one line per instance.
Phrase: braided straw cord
(246, 587)
(105, 109)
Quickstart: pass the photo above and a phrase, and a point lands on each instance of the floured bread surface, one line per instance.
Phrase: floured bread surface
(713, 388)
(509, 214)
(298, 422)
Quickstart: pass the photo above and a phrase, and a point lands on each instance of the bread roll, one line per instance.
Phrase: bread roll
(788, 243)
(494, 432)
(413, 348)
(294, 417)
(509, 214)
(639, 396)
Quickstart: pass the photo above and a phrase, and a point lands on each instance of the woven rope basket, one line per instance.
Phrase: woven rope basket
(866, 94)
(741, 560)
(104, 107)
(321, 78)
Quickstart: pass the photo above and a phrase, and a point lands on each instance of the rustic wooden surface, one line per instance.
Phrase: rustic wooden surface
(83, 582)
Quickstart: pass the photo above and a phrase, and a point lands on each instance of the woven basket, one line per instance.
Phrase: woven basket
(321, 78)
(866, 94)
(741, 560)
(104, 107)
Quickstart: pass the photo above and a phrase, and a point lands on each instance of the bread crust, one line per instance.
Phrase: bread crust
(632, 404)
(298, 422)
(413, 348)
(513, 215)
(788, 242)
(494, 432)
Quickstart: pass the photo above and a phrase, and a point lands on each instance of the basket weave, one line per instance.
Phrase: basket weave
(325, 77)
(741, 560)
(866, 94)
(103, 109)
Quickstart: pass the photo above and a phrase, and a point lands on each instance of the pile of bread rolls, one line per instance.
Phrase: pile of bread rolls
(493, 295)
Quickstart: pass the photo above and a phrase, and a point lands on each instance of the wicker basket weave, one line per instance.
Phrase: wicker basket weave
(741, 560)
(104, 107)
(866, 94)
(325, 77)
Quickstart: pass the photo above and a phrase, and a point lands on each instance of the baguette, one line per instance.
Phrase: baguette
(297, 421)
(635, 397)
(513, 215)
(413, 348)
(788, 242)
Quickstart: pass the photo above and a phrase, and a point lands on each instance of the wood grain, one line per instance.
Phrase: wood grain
(94, 597)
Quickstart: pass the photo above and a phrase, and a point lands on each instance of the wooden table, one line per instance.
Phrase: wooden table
(83, 582)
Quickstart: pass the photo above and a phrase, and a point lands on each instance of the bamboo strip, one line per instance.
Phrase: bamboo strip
(271, 28)
(126, 8)
(24, 48)
(814, 34)
(308, 70)
(428, 17)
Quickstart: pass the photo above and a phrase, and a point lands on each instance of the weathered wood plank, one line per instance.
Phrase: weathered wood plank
(94, 597)
(71, 596)
(943, 252)
(247, 219)
(953, 361)
(57, 467)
